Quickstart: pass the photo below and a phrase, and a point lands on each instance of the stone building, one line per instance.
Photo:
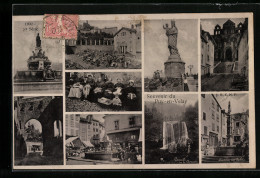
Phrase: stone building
(72, 124)
(239, 127)
(211, 121)
(128, 40)
(124, 129)
(86, 128)
(49, 112)
(220, 128)
(227, 40)
(242, 64)
(207, 52)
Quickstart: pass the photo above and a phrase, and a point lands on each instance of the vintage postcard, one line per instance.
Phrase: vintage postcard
(134, 91)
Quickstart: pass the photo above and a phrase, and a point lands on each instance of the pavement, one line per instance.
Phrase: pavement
(83, 161)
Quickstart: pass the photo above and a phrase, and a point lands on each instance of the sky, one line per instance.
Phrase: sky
(37, 124)
(156, 44)
(239, 102)
(209, 24)
(24, 42)
(111, 23)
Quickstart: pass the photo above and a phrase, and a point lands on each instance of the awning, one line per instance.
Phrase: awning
(140, 136)
(69, 141)
(87, 144)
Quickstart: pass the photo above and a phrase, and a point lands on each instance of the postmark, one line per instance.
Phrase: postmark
(60, 26)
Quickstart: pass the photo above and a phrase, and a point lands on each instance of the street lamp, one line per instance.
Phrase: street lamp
(190, 67)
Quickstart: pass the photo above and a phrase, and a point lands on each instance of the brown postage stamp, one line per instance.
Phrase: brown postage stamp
(61, 26)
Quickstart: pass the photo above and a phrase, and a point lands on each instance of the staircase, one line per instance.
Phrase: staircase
(224, 67)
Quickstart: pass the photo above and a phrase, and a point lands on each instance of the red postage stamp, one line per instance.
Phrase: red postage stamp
(61, 26)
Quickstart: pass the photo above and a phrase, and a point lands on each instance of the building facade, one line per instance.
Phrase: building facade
(86, 128)
(240, 127)
(242, 64)
(72, 125)
(123, 129)
(207, 53)
(211, 121)
(128, 40)
(227, 40)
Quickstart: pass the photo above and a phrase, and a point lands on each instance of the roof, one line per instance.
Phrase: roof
(229, 22)
(127, 29)
(216, 101)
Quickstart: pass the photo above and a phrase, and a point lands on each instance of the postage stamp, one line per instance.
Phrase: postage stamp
(60, 26)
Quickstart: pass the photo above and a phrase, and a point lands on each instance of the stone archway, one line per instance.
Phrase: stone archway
(228, 55)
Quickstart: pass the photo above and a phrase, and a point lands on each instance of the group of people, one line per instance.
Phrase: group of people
(107, 59)
(128, 154)
(104, 91)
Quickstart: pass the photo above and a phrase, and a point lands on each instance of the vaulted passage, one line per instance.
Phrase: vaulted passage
(228, 55)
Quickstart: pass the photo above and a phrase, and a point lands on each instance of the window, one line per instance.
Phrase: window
(204, 116)
(205, 130)
(217, 128)
(237, 124)
(213, 127)
(72, 132)
(132, 121)
(213, 104)
(217, 116)
(88, 126)
(123, 33)
(77, 132)
(208, 58)
(237, 138)
(218, 108)
(213, 115)
(116, 125)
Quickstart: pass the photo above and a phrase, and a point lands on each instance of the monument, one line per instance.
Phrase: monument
(39, 75)
(174, 66)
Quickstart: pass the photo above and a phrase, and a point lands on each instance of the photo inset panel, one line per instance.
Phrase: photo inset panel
(224, 128)
(224, 54)
(107, 91)
(38, 132)
(103, 44)
(171, 55)
(37, 62)
(171, 129)
(103, 139)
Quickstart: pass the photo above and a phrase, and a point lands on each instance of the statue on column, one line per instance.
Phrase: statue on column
(172, 34)
(38, 41)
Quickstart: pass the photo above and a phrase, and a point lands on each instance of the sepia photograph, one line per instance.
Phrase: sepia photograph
(37, 61)
(224, 128)
(224, 54)
(103, 139)
(105, 44)
(168, 65)
(38, 130)
(107, 91)
(171, 129)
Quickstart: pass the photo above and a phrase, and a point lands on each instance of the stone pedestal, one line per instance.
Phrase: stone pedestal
(174, 67)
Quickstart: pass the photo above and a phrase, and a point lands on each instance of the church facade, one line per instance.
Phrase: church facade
(227, 41)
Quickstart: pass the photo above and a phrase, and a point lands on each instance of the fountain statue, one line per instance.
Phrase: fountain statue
(39, 70)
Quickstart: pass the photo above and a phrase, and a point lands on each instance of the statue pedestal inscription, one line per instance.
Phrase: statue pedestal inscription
(174, 67)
